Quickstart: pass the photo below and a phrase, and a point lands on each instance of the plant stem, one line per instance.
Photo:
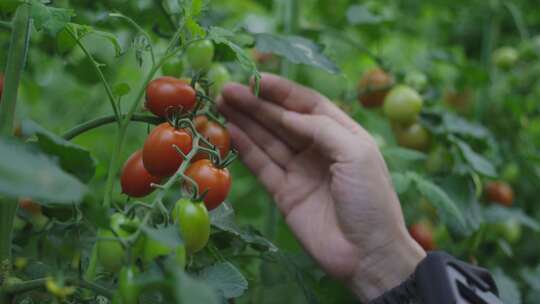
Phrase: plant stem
(101, 121)
(40, 283)
(16, 59)
(5, 25)
(108, 89)
(141, 30)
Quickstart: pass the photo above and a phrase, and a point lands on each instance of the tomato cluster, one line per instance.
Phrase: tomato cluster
(190, 123)
(401, 104)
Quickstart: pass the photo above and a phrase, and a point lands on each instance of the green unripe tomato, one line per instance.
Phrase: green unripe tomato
(505, 57)
(439, 159)
(402, 104)
(194, 224)
(127, 286)
(200, 54)
(218, 75)
(510, 172)
(173, 67)
(416, 80)
(39, 221)
(109, 251)
(153, 249)
(510, 230)
(413, 137)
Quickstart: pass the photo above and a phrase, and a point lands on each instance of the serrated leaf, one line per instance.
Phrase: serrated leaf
(475, 160)
(222, 218)
(360, 14)
(401, 182)
(446, 208)
(226, 279)
(72, 158)
(28, 173)
(168, 236)
(508, 289)
(191, 290)
(295, 49)
(223, 36)
(503, 214)
(50, 19)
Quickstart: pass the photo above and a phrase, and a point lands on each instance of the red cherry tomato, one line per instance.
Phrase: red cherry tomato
(169, 92)
(29, 206)
(135, 179)
(373, 87)
(214, 133)
(500, 192)
(159, 156)
(422, 233)
(217, 181)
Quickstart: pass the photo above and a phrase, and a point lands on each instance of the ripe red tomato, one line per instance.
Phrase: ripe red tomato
(217, 181)
(169, 92)
(422, 233)
(413, 137)
(373, 87)
(29, 206)
(194, 224)
(135, 179)
(215, 133)
(500, 192)
(159, 156)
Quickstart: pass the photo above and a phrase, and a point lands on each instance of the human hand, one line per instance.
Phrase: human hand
(328, 179)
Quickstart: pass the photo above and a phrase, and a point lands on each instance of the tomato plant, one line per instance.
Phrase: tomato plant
(413, 137)
(218, 75)
(373, 87)
(135, 179)
(173, 67)
(505, 57)
(212, 180)
(167, 94)
(159, 155)
(422, 233)
(127, 285)
(194, 224)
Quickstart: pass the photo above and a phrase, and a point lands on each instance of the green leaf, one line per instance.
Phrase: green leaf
(402, 154)
(475, 160)
(222, 218)
(50, 19)
(191, 290)
(446, 208)
(532, 277)
(401, 182)
(226, 279)
(168, 236)
(508, 289)
(112, 39)
(223, 36)
(360, 14)
(295, 49)
(27, 173)
(503, 214)
(71, 157)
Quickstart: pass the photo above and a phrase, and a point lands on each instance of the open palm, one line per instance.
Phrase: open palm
(323, 170)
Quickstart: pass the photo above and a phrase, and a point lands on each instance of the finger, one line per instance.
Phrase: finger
(332, 139)
(298, 98)
(267, 114)
(279, 152)
(268, 172)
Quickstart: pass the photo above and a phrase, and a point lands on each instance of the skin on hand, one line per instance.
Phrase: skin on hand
(328, 179)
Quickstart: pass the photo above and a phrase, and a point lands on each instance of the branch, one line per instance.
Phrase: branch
(101, 121)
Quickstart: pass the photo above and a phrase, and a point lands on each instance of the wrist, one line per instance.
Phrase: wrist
(386, 268)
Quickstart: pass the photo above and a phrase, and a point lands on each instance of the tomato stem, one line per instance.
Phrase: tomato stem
(18, 50)
(40, 283)
(105, 120)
